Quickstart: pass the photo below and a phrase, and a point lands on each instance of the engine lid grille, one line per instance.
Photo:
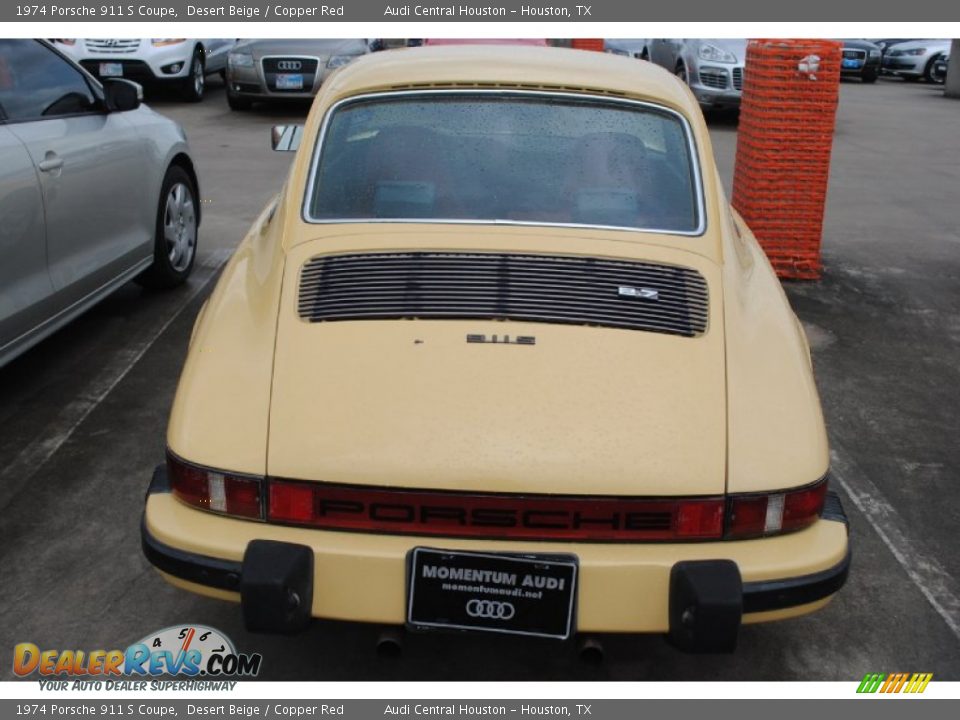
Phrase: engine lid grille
(538, 288)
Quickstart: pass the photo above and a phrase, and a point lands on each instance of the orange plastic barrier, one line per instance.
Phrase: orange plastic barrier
(587, 44)
(790, 94)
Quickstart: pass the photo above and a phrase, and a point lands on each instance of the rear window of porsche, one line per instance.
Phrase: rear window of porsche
(505, 157)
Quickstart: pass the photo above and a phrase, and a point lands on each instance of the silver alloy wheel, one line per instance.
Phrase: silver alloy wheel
(198, 79)
(180, 226)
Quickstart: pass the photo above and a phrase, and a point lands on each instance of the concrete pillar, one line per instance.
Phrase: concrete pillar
(952, 88)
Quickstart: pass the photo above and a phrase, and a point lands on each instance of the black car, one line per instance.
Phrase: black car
(861, 59)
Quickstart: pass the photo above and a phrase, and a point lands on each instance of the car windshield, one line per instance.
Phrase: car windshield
(532, 158)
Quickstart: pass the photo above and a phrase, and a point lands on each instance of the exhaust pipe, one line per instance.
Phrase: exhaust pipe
(389, 644)
(591, 651)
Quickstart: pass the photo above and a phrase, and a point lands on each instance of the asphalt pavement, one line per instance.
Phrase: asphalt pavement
(83, 418)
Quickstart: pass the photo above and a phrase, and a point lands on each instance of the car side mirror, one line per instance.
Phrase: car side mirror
(122, 95)
(286, 138)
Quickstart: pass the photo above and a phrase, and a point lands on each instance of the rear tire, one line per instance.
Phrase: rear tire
(195, 82)
(175, 239)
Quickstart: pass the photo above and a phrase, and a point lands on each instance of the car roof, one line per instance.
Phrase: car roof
(526, 68)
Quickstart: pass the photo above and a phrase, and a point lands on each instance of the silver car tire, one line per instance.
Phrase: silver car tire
(235, 102)
(196, 81)
(175, 244)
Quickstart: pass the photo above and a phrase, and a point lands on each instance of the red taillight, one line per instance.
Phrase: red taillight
(216, 491)
(699, 519)
(457, 514)
(803, 507)
(756, 515)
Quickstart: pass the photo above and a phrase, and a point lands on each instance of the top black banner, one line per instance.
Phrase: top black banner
(639, 11)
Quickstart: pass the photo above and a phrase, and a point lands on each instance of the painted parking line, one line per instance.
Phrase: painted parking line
(32, 457)
(931, 578)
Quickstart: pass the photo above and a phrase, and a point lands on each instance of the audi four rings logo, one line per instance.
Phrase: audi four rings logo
(289, 65)
(493, 609)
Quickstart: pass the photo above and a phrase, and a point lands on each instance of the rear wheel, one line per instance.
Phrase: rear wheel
(195, 82)
(175, 241)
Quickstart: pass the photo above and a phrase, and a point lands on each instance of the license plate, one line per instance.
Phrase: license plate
(851, 63)
(289, 82)
(111, 70)
(511, 594)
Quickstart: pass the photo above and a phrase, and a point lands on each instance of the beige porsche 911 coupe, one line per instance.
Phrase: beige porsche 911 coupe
(500, 357)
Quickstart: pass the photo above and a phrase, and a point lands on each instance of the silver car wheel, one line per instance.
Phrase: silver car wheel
(198, 79)
(180, 226)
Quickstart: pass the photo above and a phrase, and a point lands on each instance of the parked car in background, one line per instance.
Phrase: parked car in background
(940, 67)
(635, 47)
(95, 190)
(285, 69)
(886, 43)
(501, 358)
(861, 58)
(914, 60)
(534, 42)
(378, 44)
(171, 61)
(712, 67)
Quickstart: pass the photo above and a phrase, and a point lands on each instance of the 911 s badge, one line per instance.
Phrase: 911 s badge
(643, 293)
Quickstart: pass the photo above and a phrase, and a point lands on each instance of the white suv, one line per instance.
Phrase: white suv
(149, 60)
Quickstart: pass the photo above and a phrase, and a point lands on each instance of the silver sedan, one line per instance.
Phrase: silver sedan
(283, 69)
(915, 59)
(95, 190)
(712, 67)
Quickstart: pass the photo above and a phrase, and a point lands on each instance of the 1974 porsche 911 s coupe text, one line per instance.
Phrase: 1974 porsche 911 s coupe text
(501, 357)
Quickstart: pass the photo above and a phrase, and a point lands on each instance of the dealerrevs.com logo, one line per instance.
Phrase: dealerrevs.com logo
(190, 651)
(887, 683)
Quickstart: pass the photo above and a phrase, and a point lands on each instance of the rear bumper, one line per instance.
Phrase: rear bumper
(622, 588)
